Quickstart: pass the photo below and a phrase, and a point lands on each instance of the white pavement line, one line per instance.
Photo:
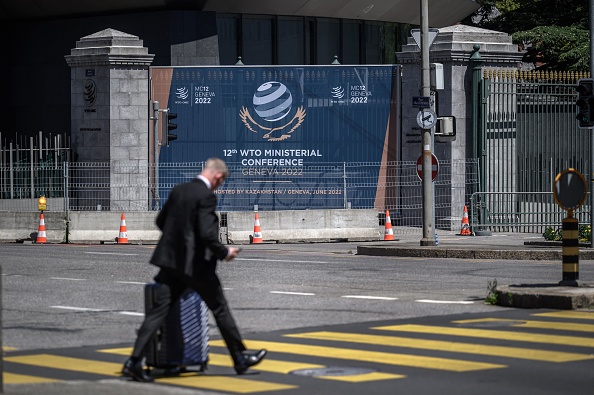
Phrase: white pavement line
(277, 260)
(368, 297)
(77, 308)
(108, 253)
(292, 293)
(134, 313)
(444, 301)
(132, 282)
(68, 279)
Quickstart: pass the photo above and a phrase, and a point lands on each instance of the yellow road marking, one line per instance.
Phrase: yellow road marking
(220, 383)
(468, 348)
(454, 365)
(277, 366)
(364, 378)
(224, 383)
(68, 363)
(13, 378)
(492, 334)
(580, 315)
(562, 326)
(7, 348)
(127, 351)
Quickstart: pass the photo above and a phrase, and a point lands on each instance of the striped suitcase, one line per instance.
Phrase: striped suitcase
(182, 340)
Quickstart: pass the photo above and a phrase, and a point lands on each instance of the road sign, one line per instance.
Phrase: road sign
(416, 35)
(434, 167)
(426, 118)
(421, 102)
(570, 189)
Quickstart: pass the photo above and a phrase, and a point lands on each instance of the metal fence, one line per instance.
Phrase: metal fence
(525, 212)
(100, 186)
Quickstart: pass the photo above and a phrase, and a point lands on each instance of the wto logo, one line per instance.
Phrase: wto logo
(182, 93)
(338, 92)
(272, 102)
(90, 92)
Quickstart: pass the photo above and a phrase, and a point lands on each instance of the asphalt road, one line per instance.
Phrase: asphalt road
(75, 300)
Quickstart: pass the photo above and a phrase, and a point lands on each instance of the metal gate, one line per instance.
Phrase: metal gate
(527, 134)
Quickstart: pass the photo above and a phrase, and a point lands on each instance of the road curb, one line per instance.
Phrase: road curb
(534, 296)
(467, 253)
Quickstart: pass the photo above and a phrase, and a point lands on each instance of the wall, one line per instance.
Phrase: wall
(277, 226)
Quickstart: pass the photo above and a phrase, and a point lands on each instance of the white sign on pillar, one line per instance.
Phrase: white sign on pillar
(416, 35)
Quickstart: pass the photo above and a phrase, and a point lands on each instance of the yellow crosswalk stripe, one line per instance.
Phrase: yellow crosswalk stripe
(68, 363)
(230, 384)
(447, 364)
(277, 366)
(267, 365)
(14, 378)
(492, 334)
(468, 348)
(580, 315)
(562, 326)
(224, 383)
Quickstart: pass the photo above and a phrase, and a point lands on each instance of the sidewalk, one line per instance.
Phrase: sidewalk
(514, 246)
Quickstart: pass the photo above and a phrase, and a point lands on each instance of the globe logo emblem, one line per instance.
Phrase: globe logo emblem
(272, 101)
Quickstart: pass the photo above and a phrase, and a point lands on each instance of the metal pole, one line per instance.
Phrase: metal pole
(592, 134)
(428, 228)
(156, 152)
(344, 183)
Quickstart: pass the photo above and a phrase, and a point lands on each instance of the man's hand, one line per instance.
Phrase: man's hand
(233, 252)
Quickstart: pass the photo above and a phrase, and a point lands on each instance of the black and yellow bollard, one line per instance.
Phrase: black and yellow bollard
(571, 251)
(570, 190)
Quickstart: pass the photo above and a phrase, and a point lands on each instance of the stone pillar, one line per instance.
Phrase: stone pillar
(453, 48)
(110, 117)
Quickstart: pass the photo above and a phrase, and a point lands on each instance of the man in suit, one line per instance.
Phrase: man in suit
(187, 255)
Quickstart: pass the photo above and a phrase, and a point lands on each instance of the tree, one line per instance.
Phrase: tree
(555, 33)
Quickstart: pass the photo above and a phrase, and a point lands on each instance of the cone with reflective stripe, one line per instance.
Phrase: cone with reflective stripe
(388, 233)
(257, 236)
(41, 237)
(465, 228)
(123, 237)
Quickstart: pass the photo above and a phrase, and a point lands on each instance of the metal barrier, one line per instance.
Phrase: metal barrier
(524, 212)
(394, 186)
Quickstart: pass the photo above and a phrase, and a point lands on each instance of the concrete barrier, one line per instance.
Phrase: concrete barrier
(291, 226)
(294, 226)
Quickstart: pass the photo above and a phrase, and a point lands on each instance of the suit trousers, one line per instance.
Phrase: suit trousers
(210, 290)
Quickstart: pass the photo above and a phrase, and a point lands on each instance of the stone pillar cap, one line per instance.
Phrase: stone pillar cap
(109, 46)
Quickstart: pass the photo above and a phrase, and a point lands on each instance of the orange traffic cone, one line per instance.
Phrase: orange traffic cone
(257, 237)
(41, 237)
(465, 229)
(388, 234)
(123, 237)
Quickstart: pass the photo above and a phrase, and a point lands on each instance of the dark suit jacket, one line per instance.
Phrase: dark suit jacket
(190, 241)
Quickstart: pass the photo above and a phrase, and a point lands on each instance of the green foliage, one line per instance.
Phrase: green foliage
(491, 292)
(584, 234)
(559, 48)
(555, 32)
(551, 234)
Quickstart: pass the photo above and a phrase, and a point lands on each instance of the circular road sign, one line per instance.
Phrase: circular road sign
(570, 189)
(434, 167)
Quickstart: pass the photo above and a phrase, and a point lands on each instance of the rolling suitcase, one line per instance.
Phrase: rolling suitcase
(182, 339)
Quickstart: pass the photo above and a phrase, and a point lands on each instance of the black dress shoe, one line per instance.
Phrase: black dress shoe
(136, 372)
(247, 359)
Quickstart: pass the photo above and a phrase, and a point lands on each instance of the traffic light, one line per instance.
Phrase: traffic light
(168, 117)
(585, 103)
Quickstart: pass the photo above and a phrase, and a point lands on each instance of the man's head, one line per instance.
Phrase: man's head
(215, 170)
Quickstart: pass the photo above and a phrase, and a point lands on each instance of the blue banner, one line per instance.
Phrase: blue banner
(283, 130)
